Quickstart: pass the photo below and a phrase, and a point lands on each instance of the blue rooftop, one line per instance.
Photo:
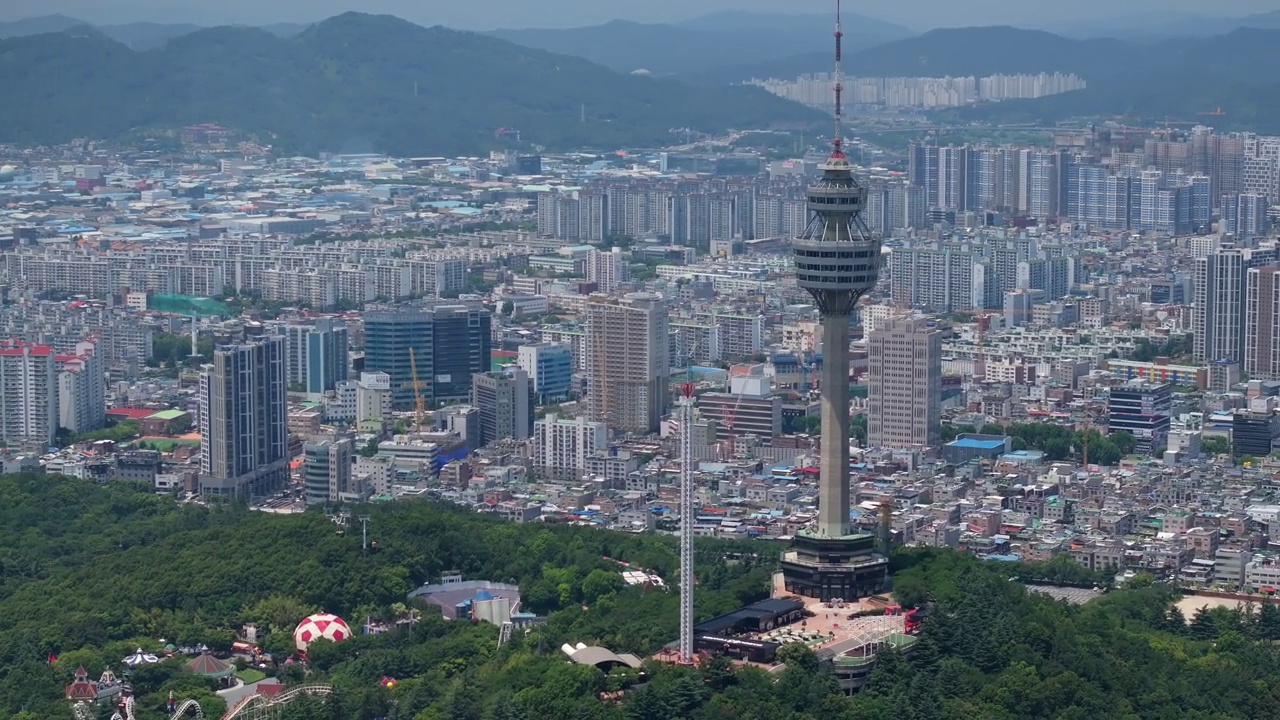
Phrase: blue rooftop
(977, 444)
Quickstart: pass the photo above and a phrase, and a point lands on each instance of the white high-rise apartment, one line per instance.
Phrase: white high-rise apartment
(244, 434)
(905, 362)
(1218, 320)
(561, 446)
(28, 395)
(608, 270)
(82, 389)
(628, 361)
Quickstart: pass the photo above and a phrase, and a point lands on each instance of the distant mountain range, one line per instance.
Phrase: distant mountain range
(1156, 26)
(137, 36)
(699, 45)
(351, 82)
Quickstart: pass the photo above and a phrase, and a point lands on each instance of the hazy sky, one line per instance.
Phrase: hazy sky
(488, 14)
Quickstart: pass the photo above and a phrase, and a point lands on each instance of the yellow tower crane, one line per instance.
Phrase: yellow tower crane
(419, 406)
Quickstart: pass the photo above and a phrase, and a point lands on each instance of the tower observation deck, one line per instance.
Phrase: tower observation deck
(837, 258)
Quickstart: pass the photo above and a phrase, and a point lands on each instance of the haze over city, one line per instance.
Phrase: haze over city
(916, 14)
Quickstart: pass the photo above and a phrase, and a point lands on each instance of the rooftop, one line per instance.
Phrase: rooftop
(977, 444)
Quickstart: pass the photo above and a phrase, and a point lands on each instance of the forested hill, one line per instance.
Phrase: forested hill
(90, 573)
(354, 82)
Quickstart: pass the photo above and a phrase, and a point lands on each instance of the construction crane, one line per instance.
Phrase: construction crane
(419, 406)
(599, 369)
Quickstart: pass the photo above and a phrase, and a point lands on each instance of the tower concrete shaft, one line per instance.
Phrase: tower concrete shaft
(833, 487)
(837, 261)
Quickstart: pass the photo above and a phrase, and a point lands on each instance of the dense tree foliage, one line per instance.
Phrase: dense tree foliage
(1174, 347)
(88, 573)
(1058, 442)
(173, 350)
(357, 83)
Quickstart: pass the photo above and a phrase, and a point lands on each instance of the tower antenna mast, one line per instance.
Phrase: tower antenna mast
(837, 145)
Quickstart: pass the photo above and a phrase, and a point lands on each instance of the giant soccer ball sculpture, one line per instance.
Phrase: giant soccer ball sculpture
(321, 626)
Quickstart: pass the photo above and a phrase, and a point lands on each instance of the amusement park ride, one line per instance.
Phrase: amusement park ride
(264, 702)
(257, 706)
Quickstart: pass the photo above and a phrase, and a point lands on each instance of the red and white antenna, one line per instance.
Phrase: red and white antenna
(687, 492)
(837, 145)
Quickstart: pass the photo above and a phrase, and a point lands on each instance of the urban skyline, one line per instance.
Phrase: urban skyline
(525, 416)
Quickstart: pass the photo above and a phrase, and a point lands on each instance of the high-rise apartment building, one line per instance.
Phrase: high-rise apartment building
(450, 343)
(327, 469)
(1218, 319)
(504, 399)
(943, 280)
(574, 215)
(904, 360)
(1262, 323)
(739, 336)
(28, 396)
(82, 389)
(1142, 409)
(608, 270)
(244, 436)
(317, 355)
(1245, 215)
(550, 368)
(437, 278)
(561, 446)
(627, 361)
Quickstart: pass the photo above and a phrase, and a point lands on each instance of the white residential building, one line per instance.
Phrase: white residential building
(608, 270)
(561, 446)
(28, 395)
(82, 389)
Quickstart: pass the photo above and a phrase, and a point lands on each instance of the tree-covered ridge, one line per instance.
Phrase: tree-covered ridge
(89, 573)
(355, 83)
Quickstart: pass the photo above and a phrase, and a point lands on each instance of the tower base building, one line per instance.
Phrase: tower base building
(829, 568)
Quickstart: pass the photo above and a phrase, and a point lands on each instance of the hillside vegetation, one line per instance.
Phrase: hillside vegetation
(89, 573)
(354, 82)
(700, 44)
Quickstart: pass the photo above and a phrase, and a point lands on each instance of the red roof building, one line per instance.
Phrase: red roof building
(82, 688)
(129, 413)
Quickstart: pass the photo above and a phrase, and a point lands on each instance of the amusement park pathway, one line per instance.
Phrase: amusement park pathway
(241, 691)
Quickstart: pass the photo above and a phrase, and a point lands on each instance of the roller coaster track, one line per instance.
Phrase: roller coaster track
(184, 707)
(254, 707)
